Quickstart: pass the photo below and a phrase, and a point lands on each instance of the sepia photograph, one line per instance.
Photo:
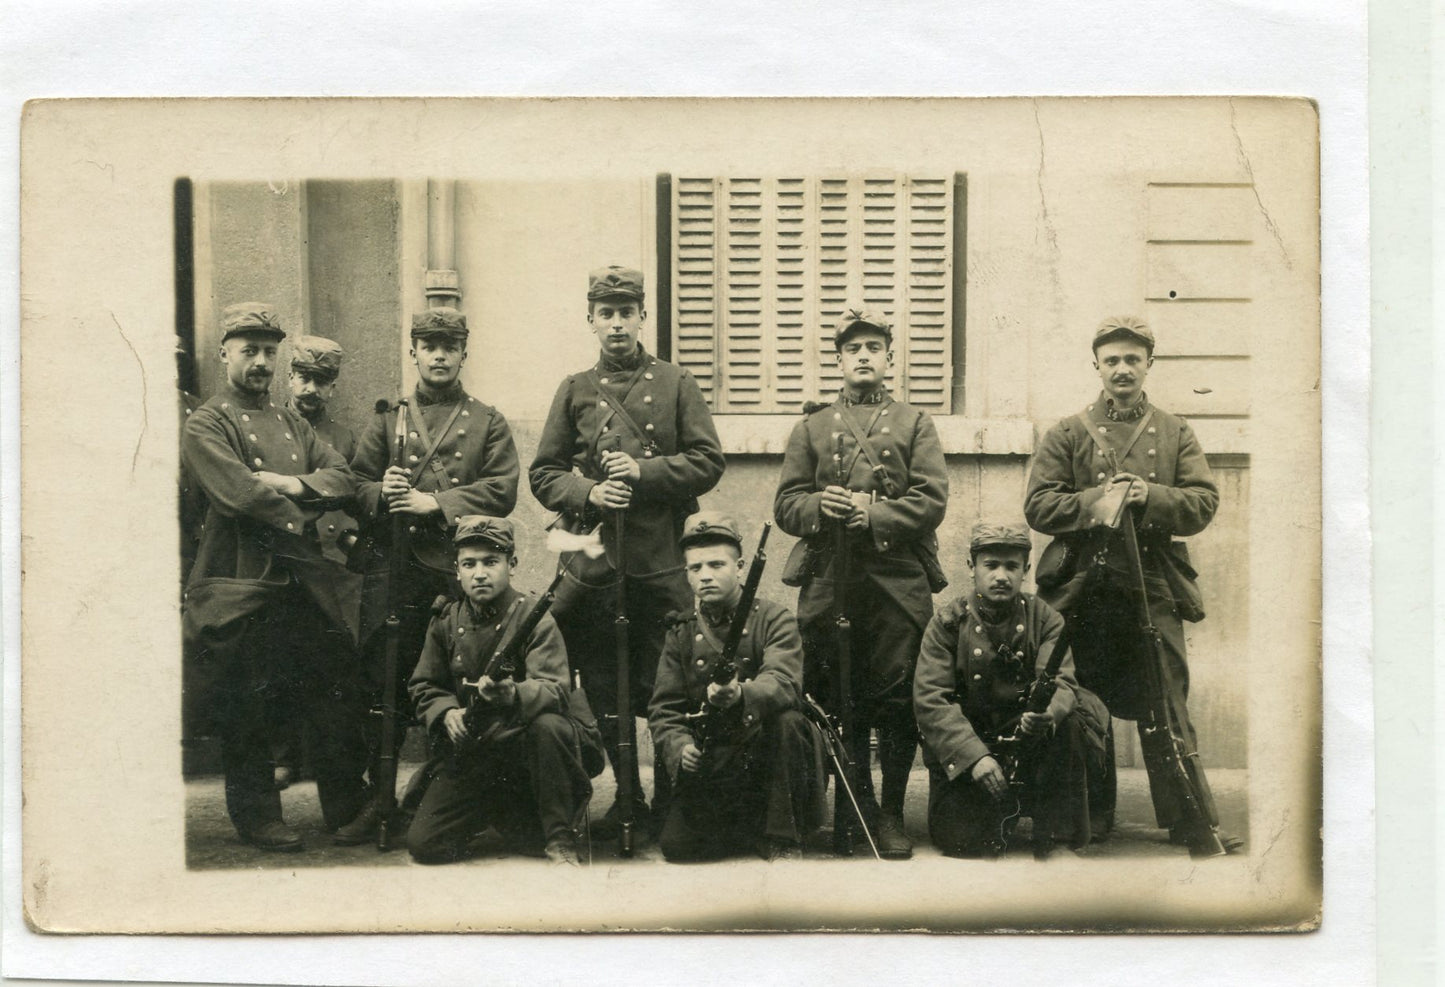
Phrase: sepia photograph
(907, 518)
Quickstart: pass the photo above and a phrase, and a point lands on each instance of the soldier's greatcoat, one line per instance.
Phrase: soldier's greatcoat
(248, 527)
(910, 487)
(770, 670)
(1069, 473)
(474, 471)
(330, 525)
(262, 609)
(972, 672)
(529, 778)
(760, 775)
(679, 457)
(461, 641)
(677, 453)
(961, 694)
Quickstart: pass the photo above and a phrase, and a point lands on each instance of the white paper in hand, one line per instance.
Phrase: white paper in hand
(589, 544)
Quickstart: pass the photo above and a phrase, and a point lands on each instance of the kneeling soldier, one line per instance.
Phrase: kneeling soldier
(996, 747)
(524, 773)
(740, 754)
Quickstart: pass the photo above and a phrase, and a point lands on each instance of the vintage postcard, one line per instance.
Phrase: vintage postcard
(399, 404)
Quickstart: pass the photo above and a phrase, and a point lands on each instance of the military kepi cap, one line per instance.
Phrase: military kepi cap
(439, 322)
(251, 317)
(1125, 327)
(317, 355)
(710, 526)
(992, 534)
(481, 529)
(856, 319)
(614, 280)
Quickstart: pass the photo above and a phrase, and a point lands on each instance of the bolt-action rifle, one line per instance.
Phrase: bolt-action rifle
(1160, 737)
(483, 720)
(395, 575)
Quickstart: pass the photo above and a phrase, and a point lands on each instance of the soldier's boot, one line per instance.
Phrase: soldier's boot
(562, 850)
(274, 835)
(775, 849)
(361, 829)
(893, 842)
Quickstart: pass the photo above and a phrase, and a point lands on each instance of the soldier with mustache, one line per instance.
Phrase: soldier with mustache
(1121, 438)
(261, 607)
(315, 366)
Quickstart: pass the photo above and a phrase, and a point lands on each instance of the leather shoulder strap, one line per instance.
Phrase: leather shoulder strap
(615, 405)
(861, 438)
(1109, 456)
(432, 444)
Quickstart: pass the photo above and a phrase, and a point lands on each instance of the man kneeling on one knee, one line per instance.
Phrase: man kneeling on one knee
(740, 753)
(518, 767)
(990, 758)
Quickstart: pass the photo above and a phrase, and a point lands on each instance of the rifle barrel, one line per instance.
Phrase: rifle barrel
(395, 576)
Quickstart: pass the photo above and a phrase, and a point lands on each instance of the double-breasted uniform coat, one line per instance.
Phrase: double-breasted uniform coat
(761, 779)
(341, 438)
(1069, 473)
(261, 605)
(680, 459)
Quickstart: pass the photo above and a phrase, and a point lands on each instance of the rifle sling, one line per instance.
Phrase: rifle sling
(863, 450)
(1109, 456)
(615, 406)
(506, 641)
(709, 634)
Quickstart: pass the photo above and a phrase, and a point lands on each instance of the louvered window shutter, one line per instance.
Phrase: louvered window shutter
(764, 267)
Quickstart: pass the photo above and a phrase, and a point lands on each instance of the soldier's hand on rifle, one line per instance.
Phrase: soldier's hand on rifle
(1036, 723)
(988, 774)
(1138, 489)
(503, 693)
(455, 724)
(612, 495)
(395, 482)
(416, 502)
(837, 503)
(620, 466)
(691, 758)
(724, 696)
(286, 486)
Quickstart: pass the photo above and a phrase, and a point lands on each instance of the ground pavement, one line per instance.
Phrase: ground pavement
(211, 842)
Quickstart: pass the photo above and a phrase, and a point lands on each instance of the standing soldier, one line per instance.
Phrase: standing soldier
(1123, 439)
(891, 500)
(461, 460)
(629, 442)
(261, 597)
(315, 364)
